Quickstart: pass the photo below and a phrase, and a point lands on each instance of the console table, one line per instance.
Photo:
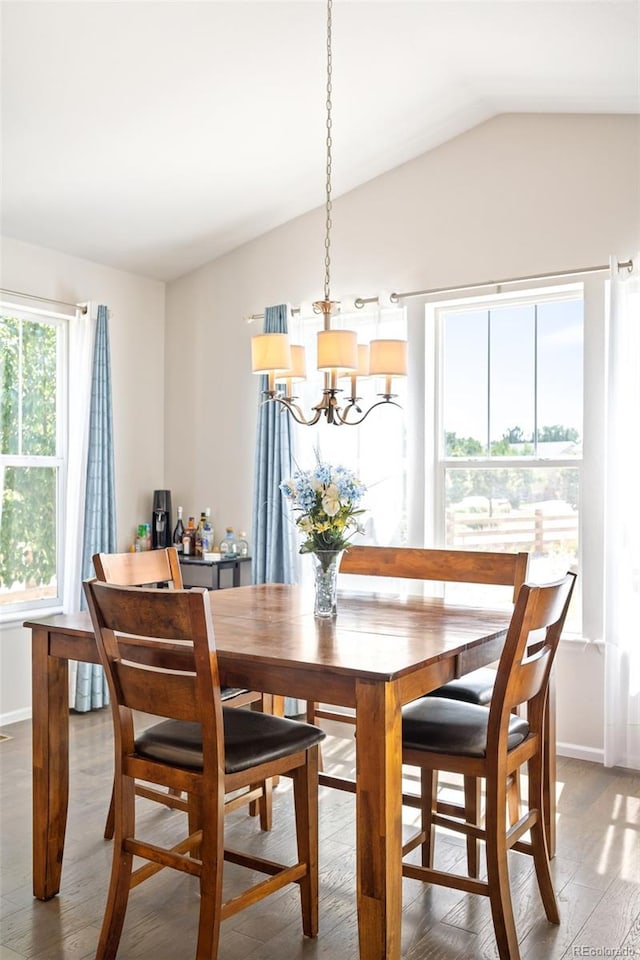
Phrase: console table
(215, 574)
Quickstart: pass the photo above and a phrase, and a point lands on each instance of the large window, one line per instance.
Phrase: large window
(32, 446)
(509, 452)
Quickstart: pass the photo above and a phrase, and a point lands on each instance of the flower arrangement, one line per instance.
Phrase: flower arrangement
(326, 499)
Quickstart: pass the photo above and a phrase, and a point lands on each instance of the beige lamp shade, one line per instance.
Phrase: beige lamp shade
(388, 358)
(270, 352)
(298, 368)
(363, 363)
(337, 350)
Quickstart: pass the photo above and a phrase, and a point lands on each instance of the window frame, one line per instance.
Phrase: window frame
(435, 464)
(11, 612)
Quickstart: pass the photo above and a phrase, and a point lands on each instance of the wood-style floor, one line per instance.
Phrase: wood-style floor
(596, 871)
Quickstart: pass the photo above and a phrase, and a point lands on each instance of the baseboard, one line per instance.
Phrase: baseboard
(15, 716)
(576, 751)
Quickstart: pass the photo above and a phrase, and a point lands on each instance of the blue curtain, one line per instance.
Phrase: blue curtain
(273, 529)
(99, 511)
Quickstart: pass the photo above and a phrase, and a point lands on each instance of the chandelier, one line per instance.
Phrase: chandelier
(339, 354)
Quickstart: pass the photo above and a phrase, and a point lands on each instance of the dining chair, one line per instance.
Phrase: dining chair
(451, 566)
(162, 568)
(158, 651)
(492, 743)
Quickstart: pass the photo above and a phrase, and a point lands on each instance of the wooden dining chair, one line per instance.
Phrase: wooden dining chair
(161, 568)
(449, 566)
(158, 651)
(493, 743)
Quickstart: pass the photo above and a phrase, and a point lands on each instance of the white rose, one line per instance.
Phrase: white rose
(331, 500)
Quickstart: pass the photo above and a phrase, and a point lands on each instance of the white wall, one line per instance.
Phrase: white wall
(518, 195)
(136, 329)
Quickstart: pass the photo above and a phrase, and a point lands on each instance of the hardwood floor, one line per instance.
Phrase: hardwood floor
(596, 872)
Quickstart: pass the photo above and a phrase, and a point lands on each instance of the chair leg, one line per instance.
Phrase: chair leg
(212, 854)
(265, 805)
(472, 805)
(498, 869)
(312, 706)
(513, 798)
(428, 806)
(305, 793)
(121, 866)
(539, 841)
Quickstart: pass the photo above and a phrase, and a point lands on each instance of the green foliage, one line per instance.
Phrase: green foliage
(28, 427)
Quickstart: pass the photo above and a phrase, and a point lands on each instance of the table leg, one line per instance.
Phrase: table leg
(50, 724)
(379, 820)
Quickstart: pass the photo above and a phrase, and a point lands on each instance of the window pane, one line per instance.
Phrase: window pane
(28, 535)
(512, 380)
(39, 389)
(465, 376)
(560, 348)
(9, 382)
(533, 509)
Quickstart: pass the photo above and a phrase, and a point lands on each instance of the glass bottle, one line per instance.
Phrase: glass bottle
(229, 546)
(178, 533)
(199, 532)
(207, 533)
(189, 539)
(243, 545)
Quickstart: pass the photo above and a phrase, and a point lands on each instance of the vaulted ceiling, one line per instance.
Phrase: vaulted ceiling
(155, 136)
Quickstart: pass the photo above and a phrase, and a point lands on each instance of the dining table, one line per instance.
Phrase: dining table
(378, 653)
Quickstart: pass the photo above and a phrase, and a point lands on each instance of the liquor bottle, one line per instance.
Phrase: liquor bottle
(229, 546)
(199, 532)
(178, 533)
(243, 545)
(189, 539)
(207, 533)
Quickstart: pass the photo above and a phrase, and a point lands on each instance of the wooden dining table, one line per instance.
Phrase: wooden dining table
(378, 653)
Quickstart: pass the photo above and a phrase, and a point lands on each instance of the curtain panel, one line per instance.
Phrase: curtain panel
(622, 520)
(91, 690)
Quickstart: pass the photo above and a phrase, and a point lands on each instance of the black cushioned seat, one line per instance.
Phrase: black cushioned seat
(474, 687)
(440, 725)
(250, 738)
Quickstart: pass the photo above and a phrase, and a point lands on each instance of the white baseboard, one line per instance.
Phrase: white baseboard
(15, 716)
(577, 752)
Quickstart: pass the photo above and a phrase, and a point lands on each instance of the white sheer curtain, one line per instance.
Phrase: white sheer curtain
(81, 336)
(622, 520)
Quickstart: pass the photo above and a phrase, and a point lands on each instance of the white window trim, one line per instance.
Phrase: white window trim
(426, 494)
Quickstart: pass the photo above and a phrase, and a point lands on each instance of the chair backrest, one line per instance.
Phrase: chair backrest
(138, 569)
(527, 657)
(457, 566)
(158, 651)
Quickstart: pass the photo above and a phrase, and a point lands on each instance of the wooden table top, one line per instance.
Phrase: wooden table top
(377, 636)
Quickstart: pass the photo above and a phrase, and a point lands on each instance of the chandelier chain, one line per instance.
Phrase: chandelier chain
(328, 204)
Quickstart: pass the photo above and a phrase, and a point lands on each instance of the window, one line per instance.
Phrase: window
(509, 446)
(32, 445)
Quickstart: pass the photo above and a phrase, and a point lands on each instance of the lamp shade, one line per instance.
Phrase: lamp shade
(298, 369)
(337, 350)
(363, 363)
(269, 352)
(388, 358)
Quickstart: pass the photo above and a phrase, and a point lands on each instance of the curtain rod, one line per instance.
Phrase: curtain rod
(31, 296)
(396, 297)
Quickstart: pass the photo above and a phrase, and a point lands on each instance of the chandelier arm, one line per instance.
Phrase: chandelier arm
(296, 411)
(344, 418)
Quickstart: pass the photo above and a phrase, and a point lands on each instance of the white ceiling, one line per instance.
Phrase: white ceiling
(155, 136)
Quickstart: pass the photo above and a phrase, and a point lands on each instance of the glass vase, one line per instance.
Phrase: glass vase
(326, 564)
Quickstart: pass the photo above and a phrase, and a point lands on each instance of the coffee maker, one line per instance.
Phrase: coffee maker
(161, 519)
